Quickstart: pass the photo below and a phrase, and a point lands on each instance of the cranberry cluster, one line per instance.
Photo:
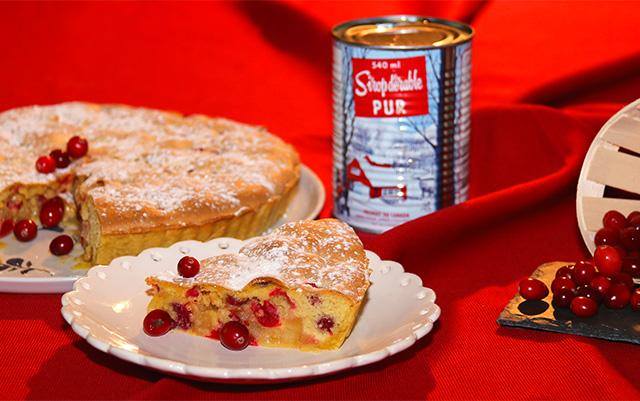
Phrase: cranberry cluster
(607, 280)
(77, 147)
(233, 334)
(51, 214)
(52, 210)
(623, 235)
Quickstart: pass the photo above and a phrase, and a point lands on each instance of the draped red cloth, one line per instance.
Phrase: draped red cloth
(546, 76)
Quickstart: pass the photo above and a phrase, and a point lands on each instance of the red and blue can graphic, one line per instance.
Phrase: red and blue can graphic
(401, 121)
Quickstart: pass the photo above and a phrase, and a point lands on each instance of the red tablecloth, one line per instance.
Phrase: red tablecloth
(546, 76)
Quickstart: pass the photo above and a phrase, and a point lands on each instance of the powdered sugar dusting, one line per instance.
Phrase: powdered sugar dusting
(323, 254)
(149, 161)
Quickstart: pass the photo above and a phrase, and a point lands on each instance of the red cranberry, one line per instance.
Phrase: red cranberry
(618, 296)
(607, 236)
(624, 278)
(622, 251)
(635, 300)
(589, 292)
(192, 292)
(183, 315)
(266, 313)
(61, 158)
(77, 147)
(234, 336)
(51, 212)
(630, 238)
(614, 219)
(632, 216)
(533, 289)
(562, 282)
(631, 265)
(45, 164)
(6, 227)
(584, 307)
(188, 266)
(563, 297)
(157, 323)
(326, 323)
(565, 271)
(61, 245)
(607, 260)
(25, 230)
(601, 284)
(233, 301)
(583, 272)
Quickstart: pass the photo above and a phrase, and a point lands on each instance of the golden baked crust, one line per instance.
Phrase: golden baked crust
(325, 254)
(149, 171)
(301, 286)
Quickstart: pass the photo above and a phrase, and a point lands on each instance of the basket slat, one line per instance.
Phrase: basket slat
(624, 133)
(615, 169)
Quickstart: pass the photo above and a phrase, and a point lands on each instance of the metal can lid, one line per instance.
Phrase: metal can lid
(403, 32)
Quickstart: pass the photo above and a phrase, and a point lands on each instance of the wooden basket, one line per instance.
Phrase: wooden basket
(610, 176)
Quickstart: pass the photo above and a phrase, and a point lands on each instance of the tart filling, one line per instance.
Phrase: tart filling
(301, 286)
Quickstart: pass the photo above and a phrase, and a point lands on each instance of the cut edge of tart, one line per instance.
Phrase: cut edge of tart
(150, 177)
(302, 286)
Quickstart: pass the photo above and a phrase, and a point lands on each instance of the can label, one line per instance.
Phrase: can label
(390, 87)
(401, 132)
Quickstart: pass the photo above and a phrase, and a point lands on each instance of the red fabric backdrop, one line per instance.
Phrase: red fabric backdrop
(546, 76)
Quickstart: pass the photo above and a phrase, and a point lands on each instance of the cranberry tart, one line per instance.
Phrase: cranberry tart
(299, 287)
(135, 178)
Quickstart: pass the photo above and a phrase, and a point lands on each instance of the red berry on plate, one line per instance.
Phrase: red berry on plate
(607, 260)
(607, 236)
(51, 212)
(563, 297)
(61, 158)
(45, 164)
(234, 336)
(630, 238)
(614, 219)
(589, 292)
(77, 147)
(562, 282)
(25, 230)
(6, 227)
(565, 271)
(584, 307)
(532, 289)
(635, 300)
(188, 266)
(618, 296)
(601, 284)
(61, 245)
(583, 272)
(157, 323)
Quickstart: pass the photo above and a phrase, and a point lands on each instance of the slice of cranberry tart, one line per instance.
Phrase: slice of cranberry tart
(301, 287)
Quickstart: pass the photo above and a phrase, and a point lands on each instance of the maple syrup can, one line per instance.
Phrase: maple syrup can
(401, 103)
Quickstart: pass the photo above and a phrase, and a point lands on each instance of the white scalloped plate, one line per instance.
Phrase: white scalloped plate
(30, 268)
(107, 308)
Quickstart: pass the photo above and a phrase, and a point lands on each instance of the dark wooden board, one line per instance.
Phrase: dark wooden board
(608, 324)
